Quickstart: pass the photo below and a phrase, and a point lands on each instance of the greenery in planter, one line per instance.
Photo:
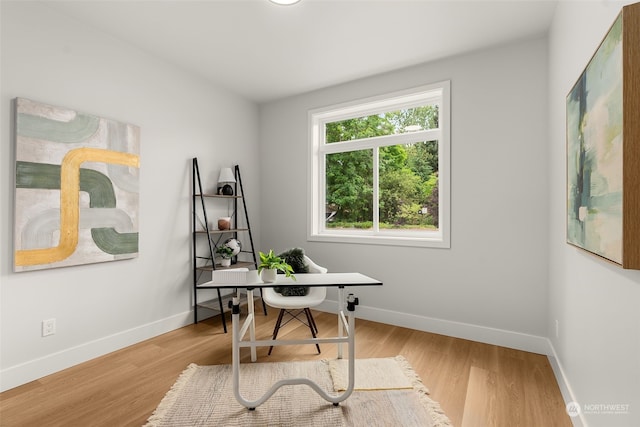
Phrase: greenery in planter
(224, 251)
(273, 261)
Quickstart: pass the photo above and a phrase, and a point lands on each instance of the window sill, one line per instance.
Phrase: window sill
(437, 241)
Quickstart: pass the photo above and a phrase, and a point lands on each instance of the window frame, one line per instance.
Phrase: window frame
(436, 93)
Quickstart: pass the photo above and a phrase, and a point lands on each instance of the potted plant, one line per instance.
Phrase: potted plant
(270, 263)
(225, 253)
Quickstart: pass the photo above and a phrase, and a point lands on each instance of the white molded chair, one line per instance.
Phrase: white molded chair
(295, 306)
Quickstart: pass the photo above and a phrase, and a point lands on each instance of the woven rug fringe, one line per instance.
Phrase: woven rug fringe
(436, 412)
(171, 396)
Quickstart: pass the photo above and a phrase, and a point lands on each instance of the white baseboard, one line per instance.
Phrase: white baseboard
(34, 369)
(501, 337)
(565, 387)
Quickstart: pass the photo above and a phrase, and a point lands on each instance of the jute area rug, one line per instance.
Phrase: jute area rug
(387, 393)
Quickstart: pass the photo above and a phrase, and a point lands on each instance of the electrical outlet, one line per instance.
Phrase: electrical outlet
(557, 328)
(48, 327)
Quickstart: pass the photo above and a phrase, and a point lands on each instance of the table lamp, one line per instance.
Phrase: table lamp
(226, 177)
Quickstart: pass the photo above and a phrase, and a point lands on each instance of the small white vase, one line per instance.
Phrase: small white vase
(225, 262)
(268, 275)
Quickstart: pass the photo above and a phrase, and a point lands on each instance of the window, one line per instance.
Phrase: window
(379, 170)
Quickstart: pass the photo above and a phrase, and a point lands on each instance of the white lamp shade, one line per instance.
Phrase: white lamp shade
(226, 175)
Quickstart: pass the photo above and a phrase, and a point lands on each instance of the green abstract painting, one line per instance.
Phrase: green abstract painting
(595, 152)
(76, 193)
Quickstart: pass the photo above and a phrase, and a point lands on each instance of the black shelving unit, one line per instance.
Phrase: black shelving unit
(204, 261)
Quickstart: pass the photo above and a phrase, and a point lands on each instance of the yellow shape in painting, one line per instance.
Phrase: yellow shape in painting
(70, 202)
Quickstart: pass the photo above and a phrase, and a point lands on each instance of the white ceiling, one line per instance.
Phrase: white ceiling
(265, 52)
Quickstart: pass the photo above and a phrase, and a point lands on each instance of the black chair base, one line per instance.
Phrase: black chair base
(311, 323)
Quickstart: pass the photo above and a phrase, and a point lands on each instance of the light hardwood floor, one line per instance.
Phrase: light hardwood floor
(476, 384)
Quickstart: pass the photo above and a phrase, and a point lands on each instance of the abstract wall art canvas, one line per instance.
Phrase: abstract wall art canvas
(76, 188)
(603, 147)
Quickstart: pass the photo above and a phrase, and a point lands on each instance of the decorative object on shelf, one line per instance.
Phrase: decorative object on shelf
(64, 158)
(226, 177)
(224, 223)
(225, 253)
(269, 266)
(235, 245)
(603, 150)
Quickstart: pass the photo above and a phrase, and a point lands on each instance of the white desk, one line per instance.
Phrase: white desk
(346, 324)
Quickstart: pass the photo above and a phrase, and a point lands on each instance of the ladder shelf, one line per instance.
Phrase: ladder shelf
(204, 259)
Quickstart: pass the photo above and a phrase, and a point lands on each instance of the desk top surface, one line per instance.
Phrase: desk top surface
(306, 279)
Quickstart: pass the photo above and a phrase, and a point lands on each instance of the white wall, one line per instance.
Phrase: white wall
(595, 303)
(102, 307)
(492, 284)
